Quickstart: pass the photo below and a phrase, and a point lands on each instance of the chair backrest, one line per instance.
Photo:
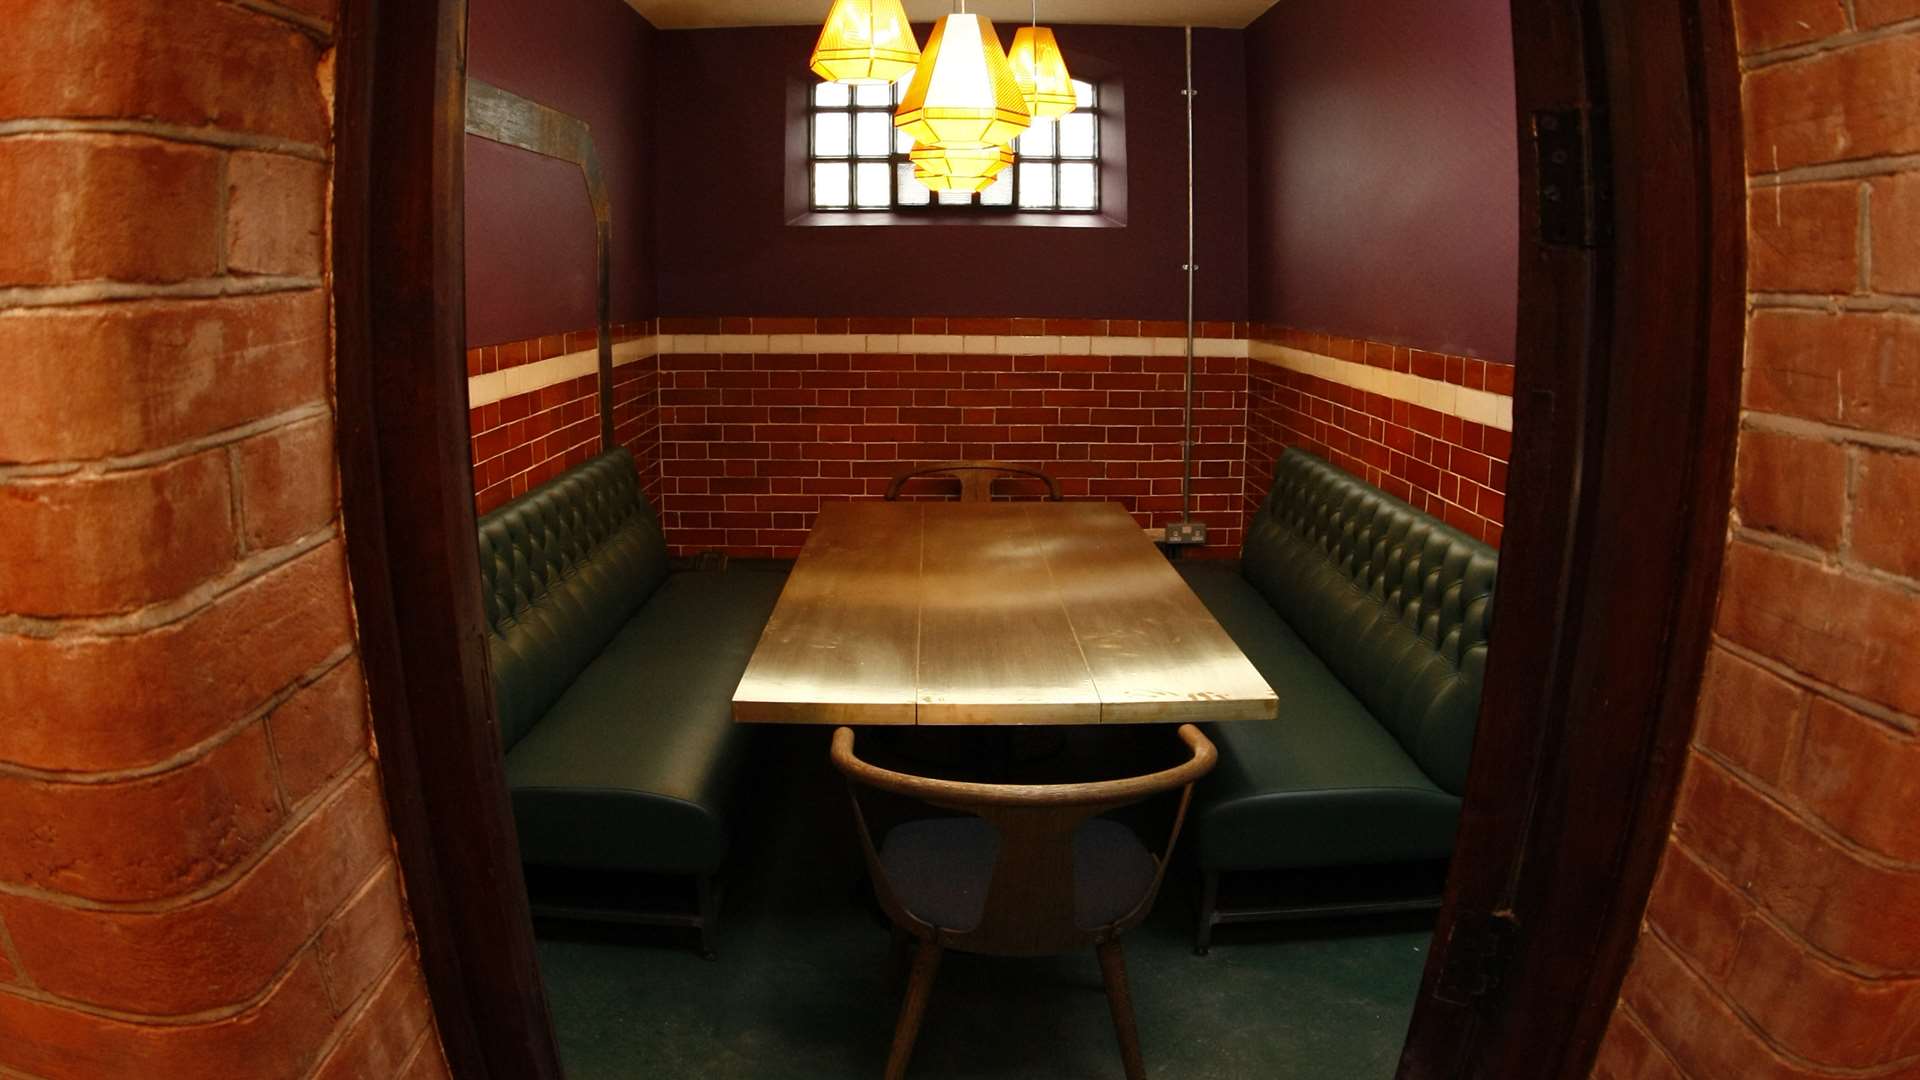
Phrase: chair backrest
(1397, 603)
(1030, 903)
(564, 567)
(976, 478)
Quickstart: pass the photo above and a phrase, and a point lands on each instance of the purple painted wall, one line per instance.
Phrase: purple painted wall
(726, 247)
(1384, 175)
(529, 230)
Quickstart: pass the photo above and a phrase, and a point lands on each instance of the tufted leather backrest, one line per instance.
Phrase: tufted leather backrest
(1395, 602)
(563, 568)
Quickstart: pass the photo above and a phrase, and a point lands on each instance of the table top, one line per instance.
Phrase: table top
(991, 613)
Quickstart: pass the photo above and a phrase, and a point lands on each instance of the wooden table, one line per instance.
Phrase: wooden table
(991, 613)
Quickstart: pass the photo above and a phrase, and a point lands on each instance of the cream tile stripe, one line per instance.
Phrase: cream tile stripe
(498, 385)
(1480, 406)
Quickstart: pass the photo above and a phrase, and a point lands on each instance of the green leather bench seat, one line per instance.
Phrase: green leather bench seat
(1369, 619)
(631, 767)
(614, 676)
(1325, 784)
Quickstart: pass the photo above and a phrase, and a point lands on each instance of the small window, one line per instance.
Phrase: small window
(857, 160)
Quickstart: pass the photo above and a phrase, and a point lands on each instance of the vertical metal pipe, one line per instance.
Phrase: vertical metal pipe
(1186, 435)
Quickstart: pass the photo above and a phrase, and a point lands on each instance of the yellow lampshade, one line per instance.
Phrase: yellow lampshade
(963, 93)
(865, 41)
(1041, 72)
(961, 163)
(935, 182)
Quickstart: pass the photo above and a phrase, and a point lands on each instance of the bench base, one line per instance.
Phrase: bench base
(1212, 914)
(639, 910)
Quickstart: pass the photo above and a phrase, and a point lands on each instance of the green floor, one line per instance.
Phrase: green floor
(802, 987)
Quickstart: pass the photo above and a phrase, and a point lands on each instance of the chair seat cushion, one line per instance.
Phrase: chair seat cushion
(939, 870)
(1323, 784)
(631, 767)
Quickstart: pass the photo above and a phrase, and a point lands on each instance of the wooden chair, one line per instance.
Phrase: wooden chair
(976, 478)
(1030, 871)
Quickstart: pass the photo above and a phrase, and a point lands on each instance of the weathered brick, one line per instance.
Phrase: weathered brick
(321, 729)
(275, 1038)
(276, 214)
(1862, 371)
(362, 941)
(1702, 917)
(1832, 897)
(1804, 238)
(122, 702)
(1841, 105)
(1628, 1054)
(1747, 715)
(1848, 631)
(1696, 1025)
(1769, 24)
(378, 1041)
(107, 208)
(1895, 210)
(286, 480)
(1886, 512)
(219, 950)
(1860, 776)
(118, 379)
(1797, 487)
(94, 544)
(194, 64)
(1817, 1011)
(145, 839)
(1871, 13)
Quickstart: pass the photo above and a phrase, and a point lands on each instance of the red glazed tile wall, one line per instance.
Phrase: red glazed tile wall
(524, 440)
(752, 445)
(197, 876)
(1451, 468)
(1782, 938)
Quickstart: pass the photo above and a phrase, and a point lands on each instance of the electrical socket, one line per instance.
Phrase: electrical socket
(1187, 532)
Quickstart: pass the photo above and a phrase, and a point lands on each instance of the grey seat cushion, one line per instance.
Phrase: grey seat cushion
(1324, 784)
(940, 869)
(629, 770)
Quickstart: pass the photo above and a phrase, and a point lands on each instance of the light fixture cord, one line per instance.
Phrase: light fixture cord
(1186, 441)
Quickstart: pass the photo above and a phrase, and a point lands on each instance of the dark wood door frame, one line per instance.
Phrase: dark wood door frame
(1627, 393)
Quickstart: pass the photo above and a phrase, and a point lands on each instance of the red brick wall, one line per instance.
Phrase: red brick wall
(196, 874)
(1443, 464)
(1783, 935)
(752, 444)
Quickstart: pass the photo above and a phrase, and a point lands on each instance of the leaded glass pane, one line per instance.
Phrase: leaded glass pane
(830, 95)
(1079, 186)
(870, 185)
(872, 133)
(1076, 135)
(830, 134)
(832, 181)
(1036, 185)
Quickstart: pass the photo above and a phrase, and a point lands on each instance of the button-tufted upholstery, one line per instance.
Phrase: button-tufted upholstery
(614, 678)
(1370, 620)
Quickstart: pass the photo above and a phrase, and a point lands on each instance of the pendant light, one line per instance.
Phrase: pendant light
(969, 184)
(963, 94)
(961, 163)
(865, 41)
(1041, 71)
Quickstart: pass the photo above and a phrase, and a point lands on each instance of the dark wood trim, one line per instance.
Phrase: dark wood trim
(409, 522)
(1627, 397)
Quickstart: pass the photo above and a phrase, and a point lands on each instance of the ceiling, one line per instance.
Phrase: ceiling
(686, 14)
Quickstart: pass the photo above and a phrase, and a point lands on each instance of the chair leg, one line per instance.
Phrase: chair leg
(1113, 971)
(709, 901)
(926, 964)
(1209, 904)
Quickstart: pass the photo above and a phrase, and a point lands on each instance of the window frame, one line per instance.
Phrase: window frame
(897, 159)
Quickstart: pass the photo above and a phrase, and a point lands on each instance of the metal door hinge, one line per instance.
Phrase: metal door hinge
(1570, 154)
(1479, 948)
